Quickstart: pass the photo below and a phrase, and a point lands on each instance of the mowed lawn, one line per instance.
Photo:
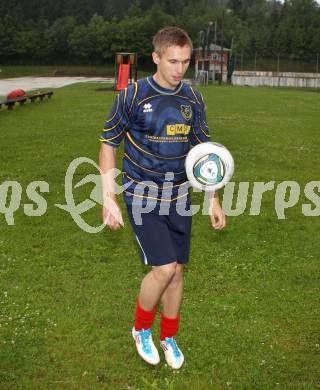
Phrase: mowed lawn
(251, 310)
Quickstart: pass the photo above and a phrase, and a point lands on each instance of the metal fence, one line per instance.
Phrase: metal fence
(275, 63)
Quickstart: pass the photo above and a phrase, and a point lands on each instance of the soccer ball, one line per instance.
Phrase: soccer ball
(209, 166)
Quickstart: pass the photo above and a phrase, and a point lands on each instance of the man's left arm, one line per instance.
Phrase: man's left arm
(201, 134)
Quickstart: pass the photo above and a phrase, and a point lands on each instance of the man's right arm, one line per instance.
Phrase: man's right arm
(114, 131)
(111, 212)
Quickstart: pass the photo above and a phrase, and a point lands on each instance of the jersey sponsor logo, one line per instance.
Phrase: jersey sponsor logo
(186, 112)
(147, 107)
(178, 129)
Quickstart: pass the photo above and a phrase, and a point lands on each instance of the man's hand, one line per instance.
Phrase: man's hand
(111, 214)
(217, 216)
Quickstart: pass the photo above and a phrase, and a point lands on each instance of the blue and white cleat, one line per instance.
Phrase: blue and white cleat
(172, 352)
(145, 346)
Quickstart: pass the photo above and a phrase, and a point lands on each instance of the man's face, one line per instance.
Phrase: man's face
(172, 65)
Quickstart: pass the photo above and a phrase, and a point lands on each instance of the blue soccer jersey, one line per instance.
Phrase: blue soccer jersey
(158, 126)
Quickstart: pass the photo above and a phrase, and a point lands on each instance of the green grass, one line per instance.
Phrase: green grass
(250, 316)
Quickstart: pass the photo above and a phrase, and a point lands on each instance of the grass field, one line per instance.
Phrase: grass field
(250, 316)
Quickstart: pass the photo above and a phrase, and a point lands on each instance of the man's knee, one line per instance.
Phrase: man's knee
(165, 273)
(178, 275)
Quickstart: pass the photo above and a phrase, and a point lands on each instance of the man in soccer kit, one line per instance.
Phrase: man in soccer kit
(159, 118)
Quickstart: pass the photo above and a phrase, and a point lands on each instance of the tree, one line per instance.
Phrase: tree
(57, 38)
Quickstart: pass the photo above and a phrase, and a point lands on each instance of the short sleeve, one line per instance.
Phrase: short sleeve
(117, 124)
(200, 130)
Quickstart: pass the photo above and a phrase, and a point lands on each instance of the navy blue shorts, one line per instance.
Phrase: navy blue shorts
(162, 239)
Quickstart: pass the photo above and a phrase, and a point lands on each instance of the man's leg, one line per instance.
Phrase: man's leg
(152, 287)
(164, 281)
(172, 296)
(154, 284)
(169, 323)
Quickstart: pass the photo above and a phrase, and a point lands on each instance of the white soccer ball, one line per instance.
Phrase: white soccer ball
(209, 166)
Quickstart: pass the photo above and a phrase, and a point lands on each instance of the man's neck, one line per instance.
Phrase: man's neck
(159, 80)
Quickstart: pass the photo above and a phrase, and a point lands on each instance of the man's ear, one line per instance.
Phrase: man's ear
(155, 57)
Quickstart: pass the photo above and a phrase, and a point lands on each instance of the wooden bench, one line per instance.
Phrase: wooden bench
(39, 95)
(21, 100)
(11, 102)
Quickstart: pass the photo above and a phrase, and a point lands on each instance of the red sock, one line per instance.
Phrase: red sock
(144, 319)
(169, 326)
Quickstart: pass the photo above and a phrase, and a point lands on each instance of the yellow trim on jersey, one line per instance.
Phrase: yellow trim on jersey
(125, 96)
(160, 199)
(134, 96)
(151, 185)
(194, 94)
(124, 102)
(166, 95)
(196, 136)
(201, 97)
(151, 154)
(206, 134)
(118, 99)
(116, 136)
(187, 98)
(140, 166)
(146, 169)
(149, 97)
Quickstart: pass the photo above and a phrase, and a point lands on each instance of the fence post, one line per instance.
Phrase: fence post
(241, 60)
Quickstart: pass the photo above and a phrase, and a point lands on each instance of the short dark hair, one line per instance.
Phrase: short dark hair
(170, 36)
